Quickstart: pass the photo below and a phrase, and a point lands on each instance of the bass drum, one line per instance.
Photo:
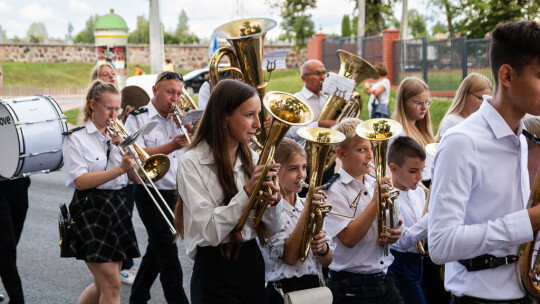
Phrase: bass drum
(31, 131)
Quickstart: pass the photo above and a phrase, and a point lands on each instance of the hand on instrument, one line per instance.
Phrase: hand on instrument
(127, 162)
(318, 196)
(392, 236)
(115, 139)
(386, 186)
(276, 193)
(268, 122)
(318, 243)
(252, 183)
(326, 123)
(179, 141)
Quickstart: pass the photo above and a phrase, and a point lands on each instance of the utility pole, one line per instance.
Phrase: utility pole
(404, 21)
(156, 38)
(361, 25)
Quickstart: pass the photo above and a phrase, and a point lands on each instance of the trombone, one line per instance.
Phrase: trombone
(287, 111)
(319, 142)
(379, 131)
(185, 102)
(150, 168)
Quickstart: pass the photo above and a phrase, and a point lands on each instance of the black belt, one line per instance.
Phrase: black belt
(473, 300)
(487, 261)
(357, 279)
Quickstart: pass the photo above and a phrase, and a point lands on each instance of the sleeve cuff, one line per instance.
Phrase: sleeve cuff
(519, 227)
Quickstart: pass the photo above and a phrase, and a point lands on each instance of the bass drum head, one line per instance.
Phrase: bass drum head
(10, 147)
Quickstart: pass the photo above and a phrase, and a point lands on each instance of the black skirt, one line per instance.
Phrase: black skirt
(103, 231)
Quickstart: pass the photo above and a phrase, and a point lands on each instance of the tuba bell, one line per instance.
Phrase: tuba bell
(379, 131)
(246, 37)
(287, 111)
(319, 142)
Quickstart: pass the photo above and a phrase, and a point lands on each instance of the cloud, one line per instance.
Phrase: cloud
(5, 8)
(35, 12)
(78, 6)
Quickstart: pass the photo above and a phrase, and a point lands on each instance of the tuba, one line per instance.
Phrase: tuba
(337, 108)
(319, 142)
(246, 36)
(287, 111)
(379, 131)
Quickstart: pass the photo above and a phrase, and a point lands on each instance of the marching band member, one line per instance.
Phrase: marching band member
(359, 270)
(13, 208)
(481, 186)
(467, 101)
(161, 255)
(283, 268)
(406, 160)
(216, 177)
(104, 71)
(103, 231)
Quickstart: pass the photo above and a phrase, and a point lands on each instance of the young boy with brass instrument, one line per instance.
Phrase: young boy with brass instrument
(406, 159)
(359, 270)
(480, 187)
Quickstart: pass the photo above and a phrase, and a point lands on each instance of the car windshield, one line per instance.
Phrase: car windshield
(195, 73)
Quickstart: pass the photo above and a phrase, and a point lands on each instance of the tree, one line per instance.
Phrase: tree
(70, 32)
(297, 22)
(87, 35)
(417, 24)
(379, 14)
(452, 11)
(141, 35)
(439, 28)
(36, 32)
(354, 25)
(345, 26)
(182, 33)
(2, 34)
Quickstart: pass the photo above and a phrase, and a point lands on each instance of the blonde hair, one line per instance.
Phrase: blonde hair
(348, 128)
(421, 130)
(286, 149)
(532, 124)
(95, 92)
(474, 82)
(94, 75)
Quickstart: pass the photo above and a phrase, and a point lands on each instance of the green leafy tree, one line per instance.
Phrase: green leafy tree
(417, 24)
(141, 34)
(36, 32)
(182, 33)
(354, 26)
(70, 32)
(169, 38)
(439, 27)
(87, 35)
(452, 10)
(2, 34)
(297, 23)
(345, 26)
(379, 14)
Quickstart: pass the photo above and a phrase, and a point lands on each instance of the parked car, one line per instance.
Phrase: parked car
(194, 80)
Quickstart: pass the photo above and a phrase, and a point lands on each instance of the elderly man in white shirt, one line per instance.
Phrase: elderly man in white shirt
(480, 179)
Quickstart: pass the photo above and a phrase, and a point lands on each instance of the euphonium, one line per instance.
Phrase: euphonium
(379, 131)
(287, 111)
(319, 142)
(431, 149)
(337, 108)
(246, 36)
(155, 166)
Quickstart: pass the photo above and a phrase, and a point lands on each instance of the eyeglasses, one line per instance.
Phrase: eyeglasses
(480, 98)
(170, 75)
(110, 109)
(107, 74)
(318, 73)
(427, 103)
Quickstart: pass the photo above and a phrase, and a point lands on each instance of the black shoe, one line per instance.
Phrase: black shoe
(1, 297)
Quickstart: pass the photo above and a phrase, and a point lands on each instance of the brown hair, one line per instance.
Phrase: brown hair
(94, 75)
(404, 147)
(286, 149)
(514, 43)
(95, 92)
(421, 130)
(381, 69)
(226, 97)
(532, 123)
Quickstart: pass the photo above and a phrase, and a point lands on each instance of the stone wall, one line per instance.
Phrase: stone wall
(187, 57)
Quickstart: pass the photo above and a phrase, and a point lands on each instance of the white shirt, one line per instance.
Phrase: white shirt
(272, 251)
(367, 256)
(204, 95)
(411, 205)
(448, 122)
(316, 103)
(163, 133)
(384, 98)
(86, 151)
(478, 200)
(206, 221)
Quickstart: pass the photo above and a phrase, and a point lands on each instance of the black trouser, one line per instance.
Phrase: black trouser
(347, 291)
(130, 203)
(161, 255)
(13, 208)
(472, 300)
(216, 279)
(288, 285)
(432, 284)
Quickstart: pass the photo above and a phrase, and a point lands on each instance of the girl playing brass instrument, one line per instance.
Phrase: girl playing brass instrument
(216, 177)
(283, 267)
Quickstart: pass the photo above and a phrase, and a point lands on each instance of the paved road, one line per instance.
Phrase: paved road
(45, 276)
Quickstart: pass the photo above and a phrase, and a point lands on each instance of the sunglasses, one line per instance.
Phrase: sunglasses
(169, 76)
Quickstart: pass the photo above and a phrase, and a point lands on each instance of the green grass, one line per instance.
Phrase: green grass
(72, 115)
(446, 80)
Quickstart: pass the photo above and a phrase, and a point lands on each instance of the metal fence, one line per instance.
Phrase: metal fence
(441, 63)
(371, 49)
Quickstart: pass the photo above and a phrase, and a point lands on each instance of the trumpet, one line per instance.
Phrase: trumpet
(379, 132)
(179, 117)
(319, 141)
(150, 168)
(287, 111)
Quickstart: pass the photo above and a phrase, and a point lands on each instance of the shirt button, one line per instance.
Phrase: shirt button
(97, 158)
(173, 156)
(381, 262)
(365, 193)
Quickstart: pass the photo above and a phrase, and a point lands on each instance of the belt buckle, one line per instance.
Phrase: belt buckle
(489, 261)
(379, 277)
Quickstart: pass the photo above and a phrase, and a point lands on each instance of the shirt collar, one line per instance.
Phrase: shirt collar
(308, 94)
(346, 178)
(152, 111)
(497, 124)
(207, 157)
(90, 128)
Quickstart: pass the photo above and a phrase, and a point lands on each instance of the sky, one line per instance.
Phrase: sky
(203, 15)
